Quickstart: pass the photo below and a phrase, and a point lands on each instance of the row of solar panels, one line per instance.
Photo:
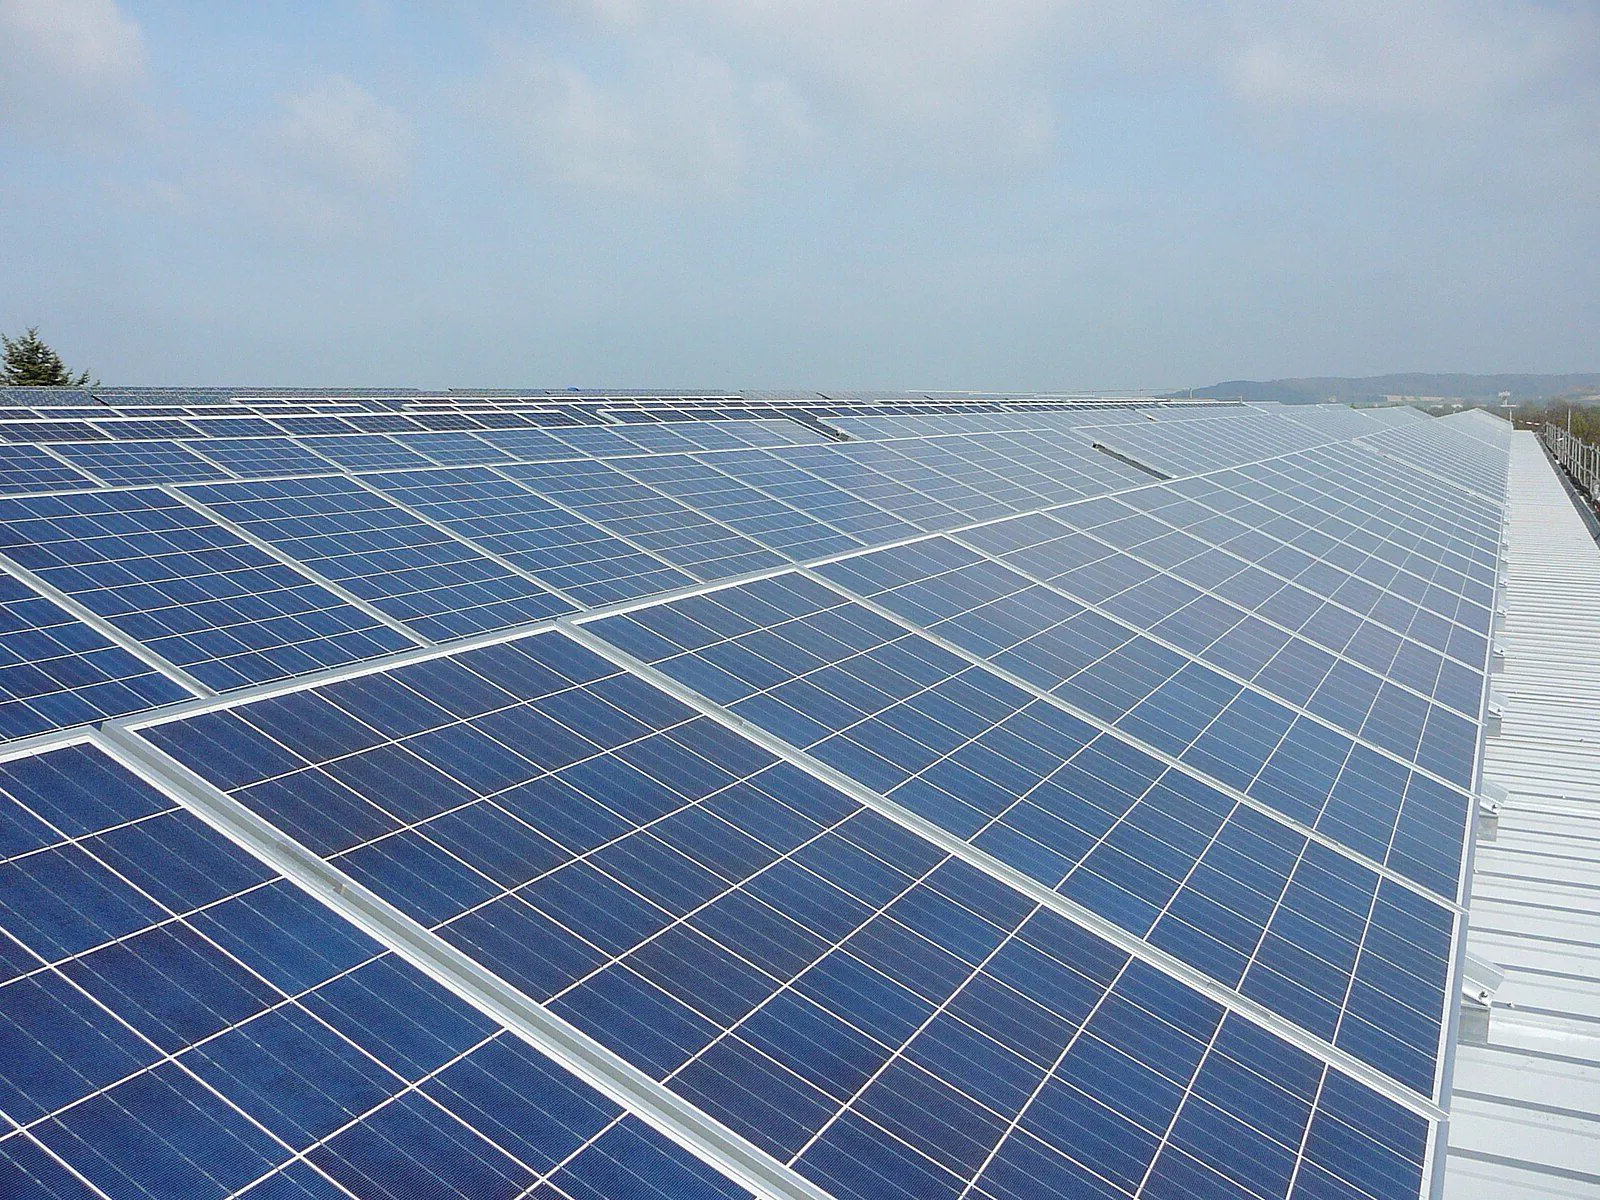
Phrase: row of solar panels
(1093, 851)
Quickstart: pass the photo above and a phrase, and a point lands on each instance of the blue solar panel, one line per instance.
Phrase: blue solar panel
(844, 995)
(371, 452)
(56, 672)
(577, 557)
(1102, 739)
(185, 587)
(705, 548)
(437, 584)
(774, 523)
(453, 449)
(130, 464)
(176, 1021)
(1155, 850)
(256, 458)
(32, 469)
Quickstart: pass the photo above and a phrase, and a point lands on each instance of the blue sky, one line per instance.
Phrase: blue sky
(825, 193)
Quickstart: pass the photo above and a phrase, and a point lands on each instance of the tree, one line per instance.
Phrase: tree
(31, 363)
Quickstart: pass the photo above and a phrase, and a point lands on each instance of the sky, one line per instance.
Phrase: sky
(987, 194)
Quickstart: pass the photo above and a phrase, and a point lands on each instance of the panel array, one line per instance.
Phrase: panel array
(929, 796)
(879, 1015)
(178, 1021)
(1104, 822)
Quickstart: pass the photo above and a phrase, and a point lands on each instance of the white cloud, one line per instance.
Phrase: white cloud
(70, 68)
(669, 122)
(952, 83)
(333, 161)
(340, 135)
(1426, 58)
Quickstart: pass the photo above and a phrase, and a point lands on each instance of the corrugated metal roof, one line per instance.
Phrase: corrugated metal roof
(1526, 1105)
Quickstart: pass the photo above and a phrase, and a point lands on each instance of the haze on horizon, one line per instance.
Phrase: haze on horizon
(829, 193)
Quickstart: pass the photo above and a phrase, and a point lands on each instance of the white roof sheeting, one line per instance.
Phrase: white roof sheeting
(1526, 1106)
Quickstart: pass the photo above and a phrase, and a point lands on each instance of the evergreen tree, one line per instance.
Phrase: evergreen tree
(31, 363)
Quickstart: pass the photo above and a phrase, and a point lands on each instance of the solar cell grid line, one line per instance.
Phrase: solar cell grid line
(1317, 502)
(834, 466)
(25, 468)
(1344, 491)
(898, 1113)
(1172, 583)
(1342, 535)
(235, 1034)
(1398, 821)
(429, 580)
(1438, 450)
(969, 499)
(1012, 461)
(251, 458)
(1360, 573)
(944, 455)
(610, 440)
(701, 486)
(199, 598)
(1069, 466)
(551, 542)
(383, 422)
(233, 426)
(1472, 533)
(443, 421)
(49, 431)
(137, 463)
(966, 799)
(770, 473)
(365, 452)
(129, 429)
(58, 670)
(1384, 557)
(951, 588)
(528, 445)
(301, 568)
(700, 545)
(1239, 564)
(1352, 464)
(449, 449)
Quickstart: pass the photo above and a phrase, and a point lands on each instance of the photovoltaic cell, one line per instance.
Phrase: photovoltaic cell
(26, 468)
(705, 548)
(577, 557)
(179, 1022)
(1204, 669)
(883, 1018)
(438, 585)
(256, 458)
(131, 464)
(1157, 851)
(185, 587)
(56, 672)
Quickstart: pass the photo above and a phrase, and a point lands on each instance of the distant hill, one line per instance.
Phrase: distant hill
(1374, 388)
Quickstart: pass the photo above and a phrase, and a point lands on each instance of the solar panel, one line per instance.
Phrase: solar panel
(56, 671)
(700, 545)
(1119, 831)
(32, 469)
(437, 584)
(178, 1020)
(869, 795)
(575, 556)
(254, 458)
(188, 589)
(131, 464)
(844, 996)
